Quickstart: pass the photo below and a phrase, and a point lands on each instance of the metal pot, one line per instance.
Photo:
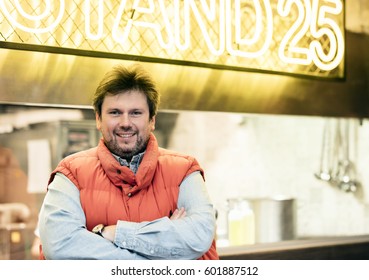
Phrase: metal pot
(275, 219)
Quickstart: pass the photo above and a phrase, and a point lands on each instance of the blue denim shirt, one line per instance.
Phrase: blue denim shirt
(63, 233)
(133, 164)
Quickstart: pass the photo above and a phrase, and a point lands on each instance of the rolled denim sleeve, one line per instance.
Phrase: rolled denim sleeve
(62, 227)
(186, 238)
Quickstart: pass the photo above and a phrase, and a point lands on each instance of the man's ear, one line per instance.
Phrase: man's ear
(153, 120)
(98, 121)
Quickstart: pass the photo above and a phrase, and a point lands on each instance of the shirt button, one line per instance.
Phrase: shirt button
(124, 243)
(118, 171)
(129, 194)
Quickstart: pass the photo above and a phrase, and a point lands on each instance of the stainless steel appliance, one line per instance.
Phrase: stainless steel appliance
(275, 219)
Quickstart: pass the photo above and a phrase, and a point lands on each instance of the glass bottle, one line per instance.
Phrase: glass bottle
(241, 222)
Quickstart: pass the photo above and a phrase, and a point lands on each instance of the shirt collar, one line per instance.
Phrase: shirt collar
(133, 164)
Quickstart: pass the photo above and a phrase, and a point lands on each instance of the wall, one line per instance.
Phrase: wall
(267, 155)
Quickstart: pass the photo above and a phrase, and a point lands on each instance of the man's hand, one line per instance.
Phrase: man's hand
(109, 232)
(178, 213)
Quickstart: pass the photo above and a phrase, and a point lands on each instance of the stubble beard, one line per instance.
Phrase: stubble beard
(126, 153)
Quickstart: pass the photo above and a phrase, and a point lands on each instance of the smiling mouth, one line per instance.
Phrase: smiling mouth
(126, 135)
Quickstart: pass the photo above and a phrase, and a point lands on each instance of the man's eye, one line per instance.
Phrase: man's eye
(113, 113)
(136, 113)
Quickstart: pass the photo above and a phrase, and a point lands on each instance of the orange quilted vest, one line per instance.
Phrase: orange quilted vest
(120, 194)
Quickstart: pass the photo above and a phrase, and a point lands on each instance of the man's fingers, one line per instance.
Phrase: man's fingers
(178, 213)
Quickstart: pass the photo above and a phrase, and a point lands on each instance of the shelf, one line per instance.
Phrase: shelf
(306, 248)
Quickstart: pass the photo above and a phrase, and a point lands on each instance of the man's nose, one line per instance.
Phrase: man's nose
(125, 120)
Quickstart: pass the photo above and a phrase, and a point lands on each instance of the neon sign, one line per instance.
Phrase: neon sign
(291, 36)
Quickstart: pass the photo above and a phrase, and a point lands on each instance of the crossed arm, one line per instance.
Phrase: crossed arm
(187, 234)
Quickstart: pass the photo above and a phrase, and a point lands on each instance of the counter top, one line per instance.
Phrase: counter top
(305, 248)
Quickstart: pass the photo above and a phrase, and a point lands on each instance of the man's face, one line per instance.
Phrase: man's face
(125, 123)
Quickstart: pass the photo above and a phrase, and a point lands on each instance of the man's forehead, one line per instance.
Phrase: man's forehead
(132, 99)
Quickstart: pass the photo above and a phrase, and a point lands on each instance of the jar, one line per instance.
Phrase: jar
(241, 222)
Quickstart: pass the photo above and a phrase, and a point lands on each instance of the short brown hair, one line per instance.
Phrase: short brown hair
(121, 79)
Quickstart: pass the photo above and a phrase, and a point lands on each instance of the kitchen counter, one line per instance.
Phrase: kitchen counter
(309, 248)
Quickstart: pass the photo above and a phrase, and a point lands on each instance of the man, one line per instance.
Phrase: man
(127, 198)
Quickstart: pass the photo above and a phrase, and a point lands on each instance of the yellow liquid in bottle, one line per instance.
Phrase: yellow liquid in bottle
(241, 230)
